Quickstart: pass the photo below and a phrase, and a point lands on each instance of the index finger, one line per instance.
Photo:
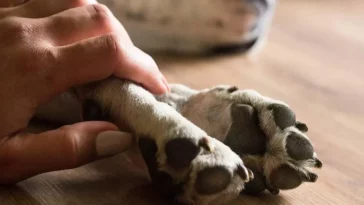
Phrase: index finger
(141, 68)
(99, 57)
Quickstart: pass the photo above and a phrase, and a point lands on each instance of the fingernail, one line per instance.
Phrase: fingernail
(165, 82)
(113, 142)
(146, 64)
(161, 85)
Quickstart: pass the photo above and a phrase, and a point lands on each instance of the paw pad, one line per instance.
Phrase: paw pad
(245, 135)
(180, 152)
(298, 147)
(286, 151)
(212, 180)
(285, 178)
(162, 181)
(257, 185)
(283, 116)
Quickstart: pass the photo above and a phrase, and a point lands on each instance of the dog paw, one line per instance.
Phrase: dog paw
(184, 163)
(262, 131)
(194, 169)
(282, 153)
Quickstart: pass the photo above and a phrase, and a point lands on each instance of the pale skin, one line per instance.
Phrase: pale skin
(47, 47)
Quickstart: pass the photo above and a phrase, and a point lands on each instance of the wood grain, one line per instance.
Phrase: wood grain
(314, 60)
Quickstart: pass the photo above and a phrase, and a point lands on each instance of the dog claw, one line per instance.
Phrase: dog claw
(245, 174)
(206, 145)
(232, 89)
(318, 163)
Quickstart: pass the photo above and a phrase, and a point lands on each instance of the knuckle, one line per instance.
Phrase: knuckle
(5, 158)
(38, 63)
(113, 45)
(101, 8)
(71, 146)
(101, 15)
(45, 61)
(17, 29)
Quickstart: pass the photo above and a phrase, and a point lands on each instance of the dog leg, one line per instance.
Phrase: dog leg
(180, 155)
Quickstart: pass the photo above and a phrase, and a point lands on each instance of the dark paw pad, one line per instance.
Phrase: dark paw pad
(212, 180)
(298, 147)
(285, 178)
(257, 185)
(283, 115)
(245, 135)
(180, 152)
(162, 182)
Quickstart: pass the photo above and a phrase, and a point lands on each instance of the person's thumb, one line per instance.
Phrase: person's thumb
(26, 155)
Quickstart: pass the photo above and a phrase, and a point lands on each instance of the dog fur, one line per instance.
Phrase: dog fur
(181, 122)
(191, 26)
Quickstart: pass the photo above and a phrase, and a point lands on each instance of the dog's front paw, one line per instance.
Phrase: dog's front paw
(263, 131)
(194, 169)
(282, 153)
(184, 163)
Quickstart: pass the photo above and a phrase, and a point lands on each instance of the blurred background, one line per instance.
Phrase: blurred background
(313, 60)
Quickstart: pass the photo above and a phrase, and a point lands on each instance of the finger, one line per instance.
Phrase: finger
(141, 68)
(81, 23)
(87, 61)
(43, 8)
(166, 83)
(99, 57)
(26, 155)
(96, 19)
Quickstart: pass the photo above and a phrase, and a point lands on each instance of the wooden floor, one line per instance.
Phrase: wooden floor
(314, 60)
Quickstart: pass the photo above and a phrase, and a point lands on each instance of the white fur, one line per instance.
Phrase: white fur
(197, 106)
(133, 108)
(136, 110)
(190, 25)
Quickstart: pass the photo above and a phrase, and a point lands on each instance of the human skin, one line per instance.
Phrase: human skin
(47, 47)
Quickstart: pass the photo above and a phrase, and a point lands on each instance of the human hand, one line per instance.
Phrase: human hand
(46, 47)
